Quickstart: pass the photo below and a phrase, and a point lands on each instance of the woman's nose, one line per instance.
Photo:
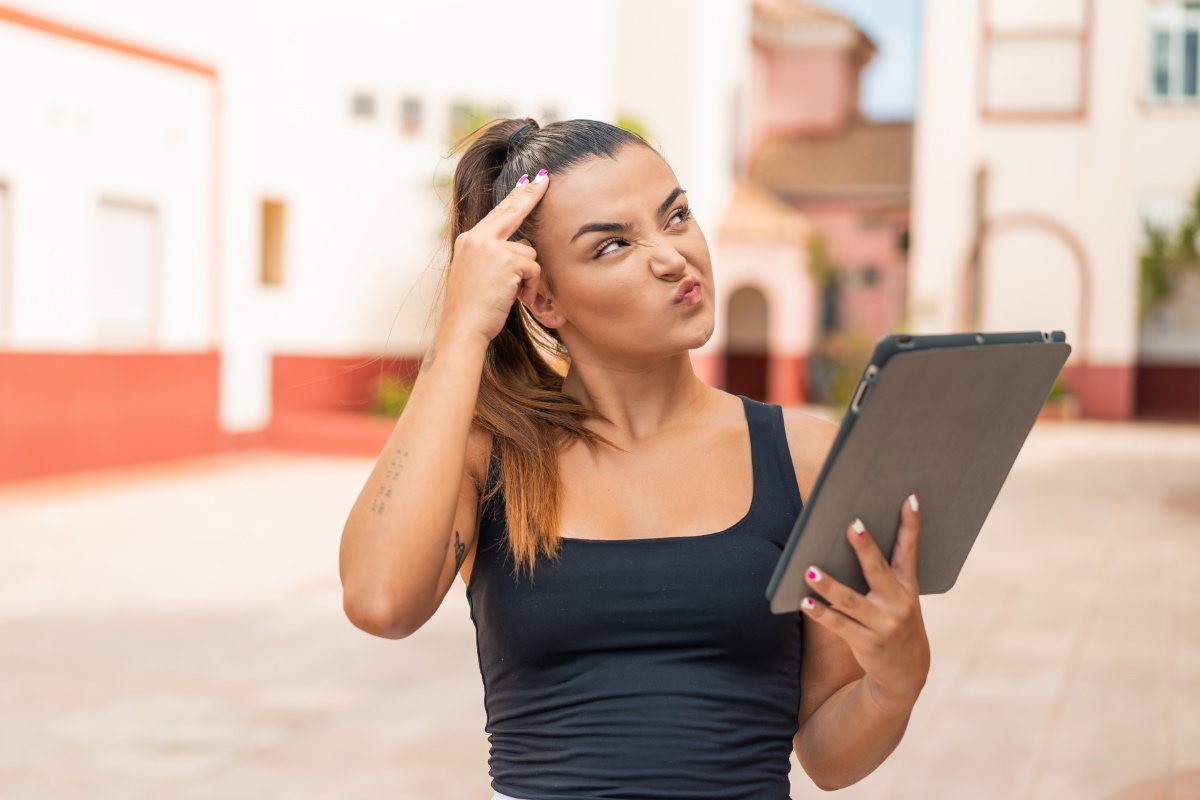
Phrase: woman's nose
(666, 261)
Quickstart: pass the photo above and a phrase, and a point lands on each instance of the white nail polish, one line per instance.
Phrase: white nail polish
(912, 501)
(859, 528)
(807, 603)
(540, 177)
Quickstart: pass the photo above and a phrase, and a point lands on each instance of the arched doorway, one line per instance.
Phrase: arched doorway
(1033, 274)
(746, 348)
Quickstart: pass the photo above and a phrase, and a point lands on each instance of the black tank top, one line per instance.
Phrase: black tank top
(645, 668)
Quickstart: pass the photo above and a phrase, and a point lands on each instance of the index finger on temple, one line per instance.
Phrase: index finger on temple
(506, 218)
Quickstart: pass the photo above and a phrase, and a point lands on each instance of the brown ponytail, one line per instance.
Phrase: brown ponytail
(521, 403)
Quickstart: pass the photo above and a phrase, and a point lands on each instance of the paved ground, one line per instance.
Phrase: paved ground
(176, 633)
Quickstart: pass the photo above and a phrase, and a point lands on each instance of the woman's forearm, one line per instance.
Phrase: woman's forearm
(848, 736)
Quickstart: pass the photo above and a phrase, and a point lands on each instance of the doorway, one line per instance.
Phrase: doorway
(746, 345)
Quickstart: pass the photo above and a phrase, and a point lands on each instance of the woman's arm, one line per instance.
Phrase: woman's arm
(415, 518)
(865, 659)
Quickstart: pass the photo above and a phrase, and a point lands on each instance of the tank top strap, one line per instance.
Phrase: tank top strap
(775, 485)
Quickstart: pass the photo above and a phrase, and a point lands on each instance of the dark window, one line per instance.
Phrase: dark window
(363, 105)
(830, 306)
(410, 115)
(1191, 42)
(1162, 63)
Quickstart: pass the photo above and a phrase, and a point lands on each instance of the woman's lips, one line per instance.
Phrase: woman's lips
(689, 292)
(690, 297)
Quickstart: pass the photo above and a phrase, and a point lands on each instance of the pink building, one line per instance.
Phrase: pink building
(841, 180)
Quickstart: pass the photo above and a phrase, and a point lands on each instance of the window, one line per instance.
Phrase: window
(272, 242)
(362, 105)
(125, 272)
(1175, 53)
(410, 116)
(1035, 64)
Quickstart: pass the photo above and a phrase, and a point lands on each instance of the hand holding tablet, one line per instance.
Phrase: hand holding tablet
(883, 629)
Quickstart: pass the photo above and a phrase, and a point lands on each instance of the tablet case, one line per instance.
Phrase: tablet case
(943, 416)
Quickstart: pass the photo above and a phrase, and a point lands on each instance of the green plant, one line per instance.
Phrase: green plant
(390, 396)
(633, 125)
(841, 358)
(822, 270)
(1059, 390)
(1166, 254)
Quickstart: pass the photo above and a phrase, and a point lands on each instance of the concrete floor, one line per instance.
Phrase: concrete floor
(176, 633)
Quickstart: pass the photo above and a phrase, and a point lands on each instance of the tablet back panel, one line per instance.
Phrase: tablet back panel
(946, 423)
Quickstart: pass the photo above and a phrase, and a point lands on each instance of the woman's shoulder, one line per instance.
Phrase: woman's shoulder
(809, 440)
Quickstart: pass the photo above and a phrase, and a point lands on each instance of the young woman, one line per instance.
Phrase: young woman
(616, 526)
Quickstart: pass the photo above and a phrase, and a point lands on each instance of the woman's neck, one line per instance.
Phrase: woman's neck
(639, 401)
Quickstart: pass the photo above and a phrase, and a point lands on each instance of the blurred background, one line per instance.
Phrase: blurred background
(221, 225)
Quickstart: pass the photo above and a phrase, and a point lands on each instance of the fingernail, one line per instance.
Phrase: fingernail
(814, 574)
(807, 603)
(541, 176)
(524, 179)
(912, 501)
(859, 528)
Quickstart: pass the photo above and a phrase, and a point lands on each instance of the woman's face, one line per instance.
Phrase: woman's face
(617, 244)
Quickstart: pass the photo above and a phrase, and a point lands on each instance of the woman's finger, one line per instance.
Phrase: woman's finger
(843, 598)
(853, 633)
(504, 220)
(875, 567)
(904, 554)
(522, 249)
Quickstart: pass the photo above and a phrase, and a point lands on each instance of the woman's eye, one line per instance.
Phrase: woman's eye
(681, 214)
(608, 247)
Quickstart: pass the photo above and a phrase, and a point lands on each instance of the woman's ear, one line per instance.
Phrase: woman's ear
(540, 304)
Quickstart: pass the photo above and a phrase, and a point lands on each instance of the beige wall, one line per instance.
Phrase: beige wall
(1085, 178)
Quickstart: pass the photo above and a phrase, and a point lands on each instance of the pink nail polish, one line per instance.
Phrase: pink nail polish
(807, 603)
(542, 172)
(541, 176)
(524, 179)
(814, 575)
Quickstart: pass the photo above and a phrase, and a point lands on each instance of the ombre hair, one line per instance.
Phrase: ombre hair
(521, 402)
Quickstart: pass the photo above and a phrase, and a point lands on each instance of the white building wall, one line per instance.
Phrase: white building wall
(81, 128)
(1095, 176)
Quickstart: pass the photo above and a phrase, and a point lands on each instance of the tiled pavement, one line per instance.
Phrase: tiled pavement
(176, 633)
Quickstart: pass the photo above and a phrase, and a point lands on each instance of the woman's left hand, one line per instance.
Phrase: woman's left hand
(883, 629)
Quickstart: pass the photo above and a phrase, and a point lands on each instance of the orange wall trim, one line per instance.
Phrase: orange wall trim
(63, 412)
(64, 31)
(333, 383)
(1104, 392)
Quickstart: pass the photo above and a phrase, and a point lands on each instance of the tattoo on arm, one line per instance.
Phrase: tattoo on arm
(460, 552)
(390, 475)
(427, 361)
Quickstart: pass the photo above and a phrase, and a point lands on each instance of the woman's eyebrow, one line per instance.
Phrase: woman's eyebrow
(625, 227)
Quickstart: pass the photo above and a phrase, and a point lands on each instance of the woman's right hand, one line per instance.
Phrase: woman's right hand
(488, 272)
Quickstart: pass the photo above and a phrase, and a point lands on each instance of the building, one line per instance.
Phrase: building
(1048, 132)
(220, 227)
(814, 245)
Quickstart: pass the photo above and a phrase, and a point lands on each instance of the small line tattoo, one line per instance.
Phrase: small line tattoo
(427, 361)
(460, 552)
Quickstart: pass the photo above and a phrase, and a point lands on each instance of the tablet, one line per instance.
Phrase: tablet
(943, 416)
